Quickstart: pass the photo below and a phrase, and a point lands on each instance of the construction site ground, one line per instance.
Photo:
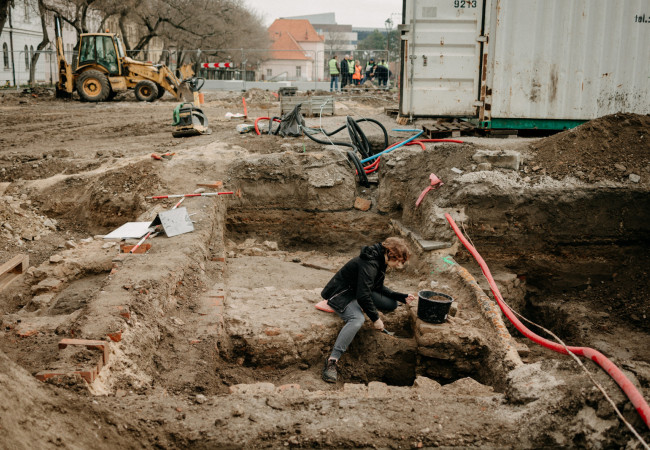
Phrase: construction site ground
(211, 339)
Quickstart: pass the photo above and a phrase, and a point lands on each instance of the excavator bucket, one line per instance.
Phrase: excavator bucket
(189, 121)
(185, 91)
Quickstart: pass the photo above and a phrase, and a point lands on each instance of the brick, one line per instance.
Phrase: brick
(144, 248)
(115, 337)
(88, 375)
(272, 331)
(45, 375)
(123, 311)
(88, 343)
(362, 204)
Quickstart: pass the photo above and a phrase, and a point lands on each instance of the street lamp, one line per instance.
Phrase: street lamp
(389, 27)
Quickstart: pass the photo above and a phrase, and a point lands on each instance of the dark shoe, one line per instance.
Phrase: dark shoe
(329, 371)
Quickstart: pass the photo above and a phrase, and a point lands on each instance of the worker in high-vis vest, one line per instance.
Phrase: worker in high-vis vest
(335, 70)
(357, 73)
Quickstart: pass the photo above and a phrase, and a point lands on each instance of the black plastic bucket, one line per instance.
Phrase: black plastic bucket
(433, 306)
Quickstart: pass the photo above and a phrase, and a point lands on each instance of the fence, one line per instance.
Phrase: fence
(248, 65)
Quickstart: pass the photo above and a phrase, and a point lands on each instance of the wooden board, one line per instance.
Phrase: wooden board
(12, 269)
(435, 130)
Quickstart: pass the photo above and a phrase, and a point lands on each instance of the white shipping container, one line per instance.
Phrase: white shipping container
(525, 63)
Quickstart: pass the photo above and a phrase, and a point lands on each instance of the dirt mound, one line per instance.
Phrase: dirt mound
(103, 201)
(258, 95)
(19, 222)
(614, 147)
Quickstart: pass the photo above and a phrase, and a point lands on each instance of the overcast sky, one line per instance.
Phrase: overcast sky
(359, 13)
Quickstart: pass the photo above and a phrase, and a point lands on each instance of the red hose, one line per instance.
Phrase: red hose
(257, 130)
(440, 140)
(619, 377)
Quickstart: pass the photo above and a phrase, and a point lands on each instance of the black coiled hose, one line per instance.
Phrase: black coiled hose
(359, 142)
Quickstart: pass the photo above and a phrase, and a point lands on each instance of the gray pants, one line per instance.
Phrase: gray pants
(353, 317)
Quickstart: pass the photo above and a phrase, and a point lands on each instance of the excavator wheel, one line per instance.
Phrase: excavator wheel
(146, 91)
(93, 86)
(161, 90)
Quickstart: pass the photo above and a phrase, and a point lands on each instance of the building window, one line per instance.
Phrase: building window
(5, 55)
(298, 72)
(26, 58)
(269, 73)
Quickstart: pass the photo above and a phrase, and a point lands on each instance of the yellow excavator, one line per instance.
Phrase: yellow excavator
(103, 70)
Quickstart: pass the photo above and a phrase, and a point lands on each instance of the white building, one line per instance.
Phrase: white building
(297, 52)
(19, 40)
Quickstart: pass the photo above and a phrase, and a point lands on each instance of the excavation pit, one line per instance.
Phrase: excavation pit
(201, 356)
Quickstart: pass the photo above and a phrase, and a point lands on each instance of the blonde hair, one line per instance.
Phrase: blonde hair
(396, 249)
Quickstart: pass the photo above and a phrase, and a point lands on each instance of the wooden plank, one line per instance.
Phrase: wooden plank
(12, 269)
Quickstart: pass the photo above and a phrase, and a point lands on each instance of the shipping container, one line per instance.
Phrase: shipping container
(525, 63)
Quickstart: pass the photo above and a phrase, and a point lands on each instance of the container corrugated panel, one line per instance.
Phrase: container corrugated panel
(441, 70)
(568, 59)
(537, 59)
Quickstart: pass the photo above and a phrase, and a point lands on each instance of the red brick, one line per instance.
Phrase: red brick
(88, 375)
(91, 344)
(46, 375)
(144, 248)
(124, 312)
(115, 337)
(272, 331)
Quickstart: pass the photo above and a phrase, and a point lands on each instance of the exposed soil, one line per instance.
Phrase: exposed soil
(609, 148)
(214, 340)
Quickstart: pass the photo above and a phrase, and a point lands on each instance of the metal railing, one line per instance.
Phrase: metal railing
(248, 64)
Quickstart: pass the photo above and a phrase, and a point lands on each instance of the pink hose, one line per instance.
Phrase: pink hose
(619, 377)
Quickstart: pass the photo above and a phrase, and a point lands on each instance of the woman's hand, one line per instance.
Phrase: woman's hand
(378, 324)
(410, 298)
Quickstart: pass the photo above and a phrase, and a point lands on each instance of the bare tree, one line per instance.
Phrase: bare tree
(4, 12)
(44, 42)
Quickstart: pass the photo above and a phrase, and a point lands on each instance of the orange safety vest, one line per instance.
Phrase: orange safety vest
(357, 73)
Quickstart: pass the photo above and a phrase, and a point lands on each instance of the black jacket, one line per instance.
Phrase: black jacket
(344, 66)
(360, 276)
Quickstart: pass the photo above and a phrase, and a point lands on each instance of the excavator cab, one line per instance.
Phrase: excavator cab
(101, 49)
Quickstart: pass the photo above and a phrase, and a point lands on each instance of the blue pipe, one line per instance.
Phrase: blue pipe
(393, 148)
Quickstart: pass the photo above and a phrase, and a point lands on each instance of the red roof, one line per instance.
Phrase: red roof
(300, 29)
(284, 46)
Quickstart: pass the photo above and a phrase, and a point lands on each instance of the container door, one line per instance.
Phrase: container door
(441, 57)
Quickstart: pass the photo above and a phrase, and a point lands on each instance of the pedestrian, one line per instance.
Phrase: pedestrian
(358, 287)
(357, 73)
(344, 70)
(335, 70)
(382, 72)
(350, 71)
(370, 70)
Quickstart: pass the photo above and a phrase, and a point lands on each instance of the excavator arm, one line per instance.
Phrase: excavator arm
(65, 85)
(161, 75)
